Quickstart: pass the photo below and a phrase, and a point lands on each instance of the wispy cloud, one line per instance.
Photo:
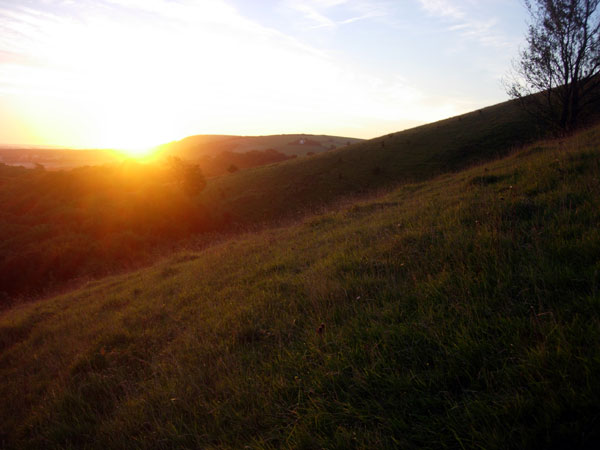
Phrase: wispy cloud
(162, 69)
(313, 15)
(464, 18)
(157, 70)
(444, 8)
(335, 13)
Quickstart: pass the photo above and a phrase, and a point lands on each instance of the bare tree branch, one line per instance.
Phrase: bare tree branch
(559, 71)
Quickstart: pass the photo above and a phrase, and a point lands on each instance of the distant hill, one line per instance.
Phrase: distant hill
(57, 159)
(290, 188)
(195, 147)
(202, 148)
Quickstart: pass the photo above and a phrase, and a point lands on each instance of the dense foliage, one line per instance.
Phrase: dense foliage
(58, 226)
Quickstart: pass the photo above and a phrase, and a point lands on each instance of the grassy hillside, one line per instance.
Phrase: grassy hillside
(461, 312)
(56, 227)
(195, 147)
(285, 189)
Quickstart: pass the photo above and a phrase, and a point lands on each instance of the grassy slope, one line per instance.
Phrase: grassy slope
(284, 189)
(41, 228)
(45, 217)
(460, 312)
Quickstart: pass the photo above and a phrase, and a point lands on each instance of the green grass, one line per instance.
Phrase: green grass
(460, 312)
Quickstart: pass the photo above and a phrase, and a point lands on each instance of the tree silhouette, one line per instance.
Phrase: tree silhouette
(188, 176)
(561, 61)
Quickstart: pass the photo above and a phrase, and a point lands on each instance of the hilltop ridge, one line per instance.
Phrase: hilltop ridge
(195, 147)
(420, 153)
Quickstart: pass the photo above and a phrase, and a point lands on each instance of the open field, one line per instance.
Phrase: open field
(457, 312)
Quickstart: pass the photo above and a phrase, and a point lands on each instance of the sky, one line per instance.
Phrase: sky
(138, 73)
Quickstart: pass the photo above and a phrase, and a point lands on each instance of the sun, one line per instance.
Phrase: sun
(131, 133)
(138, 152)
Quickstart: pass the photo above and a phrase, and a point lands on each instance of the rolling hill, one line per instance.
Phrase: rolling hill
(191, 148)
(459, 311)
(289, 189)
(62, 227)
(195, 147)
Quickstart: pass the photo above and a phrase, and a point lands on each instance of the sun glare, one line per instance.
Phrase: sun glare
(226, 75)
(113, 88)
(137, 153)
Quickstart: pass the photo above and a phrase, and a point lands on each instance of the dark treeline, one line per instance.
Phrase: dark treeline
(59, 226)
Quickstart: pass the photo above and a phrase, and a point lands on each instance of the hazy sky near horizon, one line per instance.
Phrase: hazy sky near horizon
(135, 73)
